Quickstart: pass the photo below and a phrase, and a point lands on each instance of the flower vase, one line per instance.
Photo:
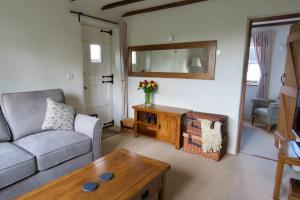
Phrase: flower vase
(148, 99)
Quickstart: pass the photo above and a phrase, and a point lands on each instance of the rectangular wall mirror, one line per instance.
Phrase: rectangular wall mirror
(193, 60)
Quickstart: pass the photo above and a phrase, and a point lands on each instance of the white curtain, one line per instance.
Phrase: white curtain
(124, 68)
(263, 44)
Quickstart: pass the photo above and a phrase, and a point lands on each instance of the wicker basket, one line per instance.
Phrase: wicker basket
(193, 144)
(194, 123)
(294, 189)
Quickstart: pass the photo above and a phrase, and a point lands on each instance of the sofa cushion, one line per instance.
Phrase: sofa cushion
(54, 147)
(261, 112)
(25, 111)
(15, 164)
(4, 130)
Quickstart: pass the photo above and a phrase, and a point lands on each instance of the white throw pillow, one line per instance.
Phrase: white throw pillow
(59, 116)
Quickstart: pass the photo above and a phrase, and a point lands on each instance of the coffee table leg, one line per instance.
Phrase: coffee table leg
(279, 172)
(162, 191)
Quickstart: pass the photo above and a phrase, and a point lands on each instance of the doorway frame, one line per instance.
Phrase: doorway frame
(250, 26)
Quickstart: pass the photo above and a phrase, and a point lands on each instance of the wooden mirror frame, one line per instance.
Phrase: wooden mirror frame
(209, 75)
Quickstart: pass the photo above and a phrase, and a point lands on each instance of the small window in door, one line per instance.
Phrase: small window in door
(95, 53)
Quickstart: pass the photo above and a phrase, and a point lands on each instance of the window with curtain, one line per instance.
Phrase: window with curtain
(253, 73)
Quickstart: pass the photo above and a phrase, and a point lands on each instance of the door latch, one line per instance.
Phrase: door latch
(282, 79)
(110, 81)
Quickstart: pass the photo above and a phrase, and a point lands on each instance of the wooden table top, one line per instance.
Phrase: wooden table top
(132, 172)
(160, 108)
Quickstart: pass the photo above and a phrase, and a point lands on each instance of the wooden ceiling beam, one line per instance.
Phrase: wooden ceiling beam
(119, 3)
(162, 7)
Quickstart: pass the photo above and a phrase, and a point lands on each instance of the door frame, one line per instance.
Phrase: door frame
(250, 26)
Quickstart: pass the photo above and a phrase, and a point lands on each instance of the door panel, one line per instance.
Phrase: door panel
(289, 90)
(98, 95)
(286, 116)
(167, 127)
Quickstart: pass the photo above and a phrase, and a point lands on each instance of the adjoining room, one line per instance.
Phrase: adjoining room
(261, 108)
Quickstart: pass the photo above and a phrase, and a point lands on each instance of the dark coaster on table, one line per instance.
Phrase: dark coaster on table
(107, 176)
(89, 187)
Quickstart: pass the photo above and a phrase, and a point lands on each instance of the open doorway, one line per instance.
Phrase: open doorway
(263, 71)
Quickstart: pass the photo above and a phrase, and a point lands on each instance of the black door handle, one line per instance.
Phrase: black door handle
(282, 79)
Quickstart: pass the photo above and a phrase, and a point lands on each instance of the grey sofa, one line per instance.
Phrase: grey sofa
(265, 110)
(30, 157)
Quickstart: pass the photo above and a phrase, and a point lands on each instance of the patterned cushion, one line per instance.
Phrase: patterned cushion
(59, 116)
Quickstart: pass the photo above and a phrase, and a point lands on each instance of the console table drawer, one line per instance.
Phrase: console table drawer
(150, 190)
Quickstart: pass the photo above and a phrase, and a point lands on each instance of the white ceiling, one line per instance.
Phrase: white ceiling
(93, 7)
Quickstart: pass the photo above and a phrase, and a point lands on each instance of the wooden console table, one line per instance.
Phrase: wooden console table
(161, 122)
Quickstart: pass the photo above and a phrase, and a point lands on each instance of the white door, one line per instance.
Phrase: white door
(97, 47)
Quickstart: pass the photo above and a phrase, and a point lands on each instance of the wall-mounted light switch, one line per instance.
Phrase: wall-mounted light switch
(70, 76)
(171, 38)
(218, 52)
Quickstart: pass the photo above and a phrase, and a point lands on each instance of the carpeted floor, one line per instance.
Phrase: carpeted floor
(257, 141)
(108, 132)
(235, 177)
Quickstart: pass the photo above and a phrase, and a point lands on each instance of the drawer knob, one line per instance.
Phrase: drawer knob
(145, 195)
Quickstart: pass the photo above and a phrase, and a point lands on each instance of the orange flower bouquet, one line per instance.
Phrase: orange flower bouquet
(149, 87)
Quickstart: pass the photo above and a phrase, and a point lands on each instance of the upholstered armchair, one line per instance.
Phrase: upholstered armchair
(265, 110)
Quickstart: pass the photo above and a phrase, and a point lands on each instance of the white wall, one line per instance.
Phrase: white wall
(276, 68)
(40, 43)
(224, 21)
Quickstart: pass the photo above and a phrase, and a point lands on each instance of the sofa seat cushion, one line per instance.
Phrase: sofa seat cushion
(261, 113)
(15, 164)
(54, 147)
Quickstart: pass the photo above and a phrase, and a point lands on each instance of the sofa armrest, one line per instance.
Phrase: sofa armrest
(92, 127)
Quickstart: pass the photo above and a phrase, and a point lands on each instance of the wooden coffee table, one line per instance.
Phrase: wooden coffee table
(135, 177)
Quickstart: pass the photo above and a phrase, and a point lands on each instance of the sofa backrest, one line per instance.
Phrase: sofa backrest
(25, 111)
(4, 130)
